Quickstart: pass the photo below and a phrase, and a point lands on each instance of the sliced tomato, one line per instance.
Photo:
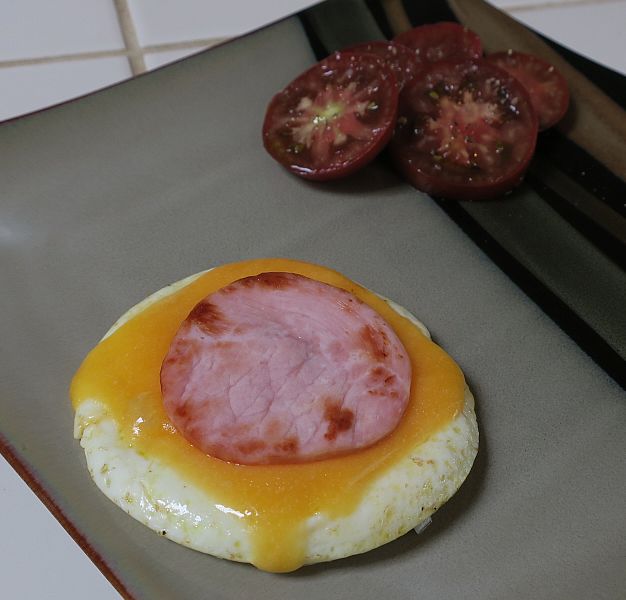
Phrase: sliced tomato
(548, 89)
(334, 118)
(402, 60)
(465, 131)
(441, 41)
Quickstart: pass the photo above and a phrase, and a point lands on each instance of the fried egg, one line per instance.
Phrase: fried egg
(278, 517)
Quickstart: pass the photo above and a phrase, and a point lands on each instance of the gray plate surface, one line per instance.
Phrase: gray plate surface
(110, 198)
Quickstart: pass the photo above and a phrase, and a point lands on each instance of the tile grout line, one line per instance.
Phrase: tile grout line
(134, 53)
(549, 4)
(41, 60)
(152, 49)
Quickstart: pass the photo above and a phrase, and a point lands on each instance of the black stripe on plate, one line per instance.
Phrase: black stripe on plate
(570, 322)
(422, 13)
(378, 12)
(589, 173)
(314, 41)
(599, 225)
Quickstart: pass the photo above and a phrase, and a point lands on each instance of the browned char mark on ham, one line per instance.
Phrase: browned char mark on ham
(250, 446)
(339, 420)
(276, 281)
(380, 374)
(284, 450)
(288, 446)
(375, 341)
(182, 411)
(209, 318)
(380, 381)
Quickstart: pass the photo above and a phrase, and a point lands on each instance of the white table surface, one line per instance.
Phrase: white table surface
(52, 51)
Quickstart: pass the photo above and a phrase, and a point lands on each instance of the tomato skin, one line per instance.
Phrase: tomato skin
(466, 131)
(546, 86)
(334, 118)
(441, 41)
(401, 59)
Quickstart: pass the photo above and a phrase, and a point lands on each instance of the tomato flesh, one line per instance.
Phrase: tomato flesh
(465, 131)
(548, 89)
(402, 60)
(334, 118)
(441, 41)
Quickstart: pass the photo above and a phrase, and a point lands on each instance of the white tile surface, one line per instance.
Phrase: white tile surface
(165, 21)
(158, 59)
(595, 30)
(45, 562)
(36, 28)
(28, 88)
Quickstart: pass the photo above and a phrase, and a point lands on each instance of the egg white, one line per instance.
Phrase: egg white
(402, 498)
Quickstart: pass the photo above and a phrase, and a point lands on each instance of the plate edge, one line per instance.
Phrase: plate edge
(26, 474)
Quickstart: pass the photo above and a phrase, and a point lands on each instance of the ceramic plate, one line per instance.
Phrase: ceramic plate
(112, 197)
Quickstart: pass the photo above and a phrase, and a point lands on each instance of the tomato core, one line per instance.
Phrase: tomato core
(466, 131)
(334, 118)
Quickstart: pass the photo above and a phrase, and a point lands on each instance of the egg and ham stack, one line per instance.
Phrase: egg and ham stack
(274, 412)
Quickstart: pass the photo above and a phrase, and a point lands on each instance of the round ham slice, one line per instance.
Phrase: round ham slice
(279, 368)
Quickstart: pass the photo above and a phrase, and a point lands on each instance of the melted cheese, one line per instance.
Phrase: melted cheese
(123, 373)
